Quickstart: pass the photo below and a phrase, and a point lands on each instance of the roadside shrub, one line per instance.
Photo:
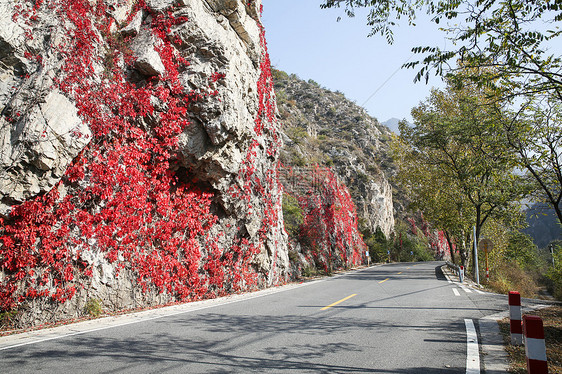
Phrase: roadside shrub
(93, 308)
(410, 247)
(309, 271)
(376, 242)
(292, 215)
(6, 319)
(377, 251)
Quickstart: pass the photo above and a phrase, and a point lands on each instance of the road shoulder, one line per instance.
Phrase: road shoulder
(494, 356)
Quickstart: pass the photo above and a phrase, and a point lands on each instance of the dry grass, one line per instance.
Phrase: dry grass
(552, 321)
(508, 276)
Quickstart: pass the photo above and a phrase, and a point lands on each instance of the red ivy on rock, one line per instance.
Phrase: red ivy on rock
(329, 233)
(121, 196)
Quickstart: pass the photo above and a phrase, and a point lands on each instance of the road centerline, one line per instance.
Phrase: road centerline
(384, 280)
(339, 301)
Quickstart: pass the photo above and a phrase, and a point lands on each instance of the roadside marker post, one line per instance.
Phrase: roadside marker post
(535, 348)
(486, 245)
(461, 274)
(514, 300)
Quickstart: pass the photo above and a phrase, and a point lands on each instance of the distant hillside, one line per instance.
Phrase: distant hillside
(323, 127)
(543, 225)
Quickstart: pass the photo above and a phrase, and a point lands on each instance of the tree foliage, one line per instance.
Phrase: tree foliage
(535, 133)
(511, 36)
(455, 164)
(513, 48)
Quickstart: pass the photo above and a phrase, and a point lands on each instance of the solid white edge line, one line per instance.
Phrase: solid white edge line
(472, 352)
(456, 292)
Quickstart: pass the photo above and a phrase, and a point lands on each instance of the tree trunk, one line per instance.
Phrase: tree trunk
(464, 252)
(478, 226)
(451, 249)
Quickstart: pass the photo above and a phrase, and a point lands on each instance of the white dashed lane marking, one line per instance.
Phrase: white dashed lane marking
(465, 289)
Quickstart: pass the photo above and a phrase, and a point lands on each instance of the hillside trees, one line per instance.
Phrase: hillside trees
(455, 163)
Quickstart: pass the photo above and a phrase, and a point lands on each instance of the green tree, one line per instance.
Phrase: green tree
(522, 250)
(440, 199)
(456, 165)
(292, 215)
(535, 133)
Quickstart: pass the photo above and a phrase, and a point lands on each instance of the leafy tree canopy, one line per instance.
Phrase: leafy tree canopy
(456, 164)
(512, 36)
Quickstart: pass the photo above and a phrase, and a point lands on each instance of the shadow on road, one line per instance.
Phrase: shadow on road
(215, 344)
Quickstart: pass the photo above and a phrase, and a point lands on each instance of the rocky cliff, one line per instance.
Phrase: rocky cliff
(138, 155)
(323, 127)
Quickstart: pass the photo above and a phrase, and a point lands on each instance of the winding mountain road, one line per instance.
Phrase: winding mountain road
(395, 318)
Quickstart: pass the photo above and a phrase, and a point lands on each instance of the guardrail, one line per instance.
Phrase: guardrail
(458, 269)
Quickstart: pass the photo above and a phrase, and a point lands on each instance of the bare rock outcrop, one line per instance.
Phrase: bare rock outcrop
(324, 127)
(40, 131)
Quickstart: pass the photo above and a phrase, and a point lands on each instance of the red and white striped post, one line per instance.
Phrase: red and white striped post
(515, 318)
(535, 348)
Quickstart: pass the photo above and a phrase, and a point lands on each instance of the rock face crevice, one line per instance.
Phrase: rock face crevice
(56, 143)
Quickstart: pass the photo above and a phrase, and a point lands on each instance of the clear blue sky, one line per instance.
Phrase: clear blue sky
(309, 42)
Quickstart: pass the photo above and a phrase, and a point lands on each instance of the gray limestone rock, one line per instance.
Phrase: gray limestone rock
(134, 27)
(160, 5)
(35, 152)
(148, 61)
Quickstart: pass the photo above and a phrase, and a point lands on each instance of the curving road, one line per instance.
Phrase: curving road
(395, 318)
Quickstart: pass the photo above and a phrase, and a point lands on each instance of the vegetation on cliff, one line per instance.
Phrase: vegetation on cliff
(138, 219)
(324, 128)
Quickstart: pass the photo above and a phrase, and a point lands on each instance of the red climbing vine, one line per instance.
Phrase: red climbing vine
(124, 196)
(329, 235)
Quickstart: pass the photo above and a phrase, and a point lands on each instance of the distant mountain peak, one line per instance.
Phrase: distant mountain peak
(392, 124)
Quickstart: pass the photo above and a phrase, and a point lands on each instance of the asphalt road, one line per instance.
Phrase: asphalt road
(396, 318)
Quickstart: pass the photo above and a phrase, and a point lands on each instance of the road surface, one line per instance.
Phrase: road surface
(395, 318)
